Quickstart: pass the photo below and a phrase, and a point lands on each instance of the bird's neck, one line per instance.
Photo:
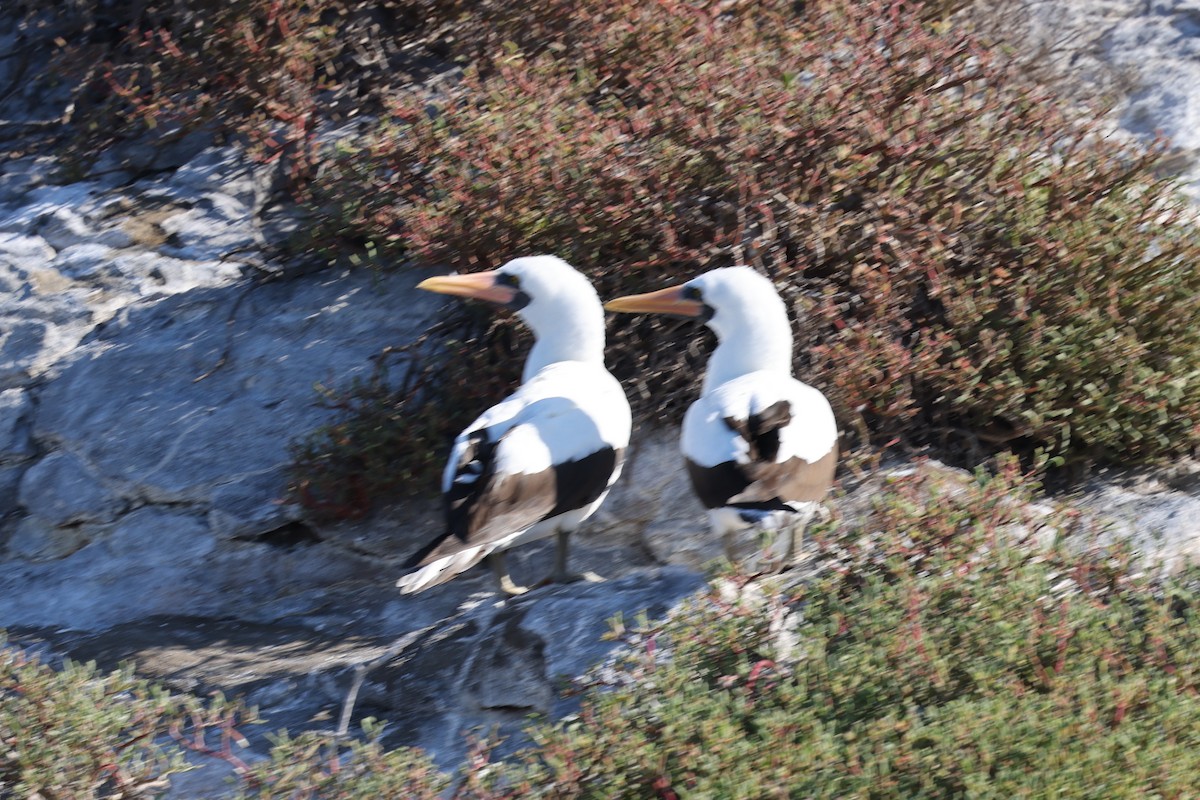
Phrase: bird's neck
(764, 345)
(577, 338)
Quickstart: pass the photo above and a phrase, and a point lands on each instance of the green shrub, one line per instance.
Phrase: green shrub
(946, 658)
(79, 733)
(257, 68)
(319, 765)
(944, 648)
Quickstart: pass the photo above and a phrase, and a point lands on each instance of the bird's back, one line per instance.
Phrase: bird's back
(761, 439)
(555, 445)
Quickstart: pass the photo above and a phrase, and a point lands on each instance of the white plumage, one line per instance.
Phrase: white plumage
(759, 445)
(541, 461)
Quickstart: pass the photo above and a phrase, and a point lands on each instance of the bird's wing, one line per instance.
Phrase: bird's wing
(760, 441)
(538, 454)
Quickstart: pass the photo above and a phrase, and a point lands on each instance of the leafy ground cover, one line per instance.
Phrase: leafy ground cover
(945, 658)
(957, 640)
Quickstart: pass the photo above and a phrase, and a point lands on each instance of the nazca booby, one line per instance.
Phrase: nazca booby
(542, 460)
(760, 446)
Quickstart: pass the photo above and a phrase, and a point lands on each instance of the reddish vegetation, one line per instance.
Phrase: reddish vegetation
(971, 267)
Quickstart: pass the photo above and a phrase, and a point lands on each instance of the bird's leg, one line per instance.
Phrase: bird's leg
(730, 548)
(793, 531)
(563, 542)
(561, 575)
(789, 531)
(500, 570)
(796, 545)
(803, 520)
(775, 546)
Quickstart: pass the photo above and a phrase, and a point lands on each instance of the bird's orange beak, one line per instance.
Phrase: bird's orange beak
(664, 301)
(477, 285)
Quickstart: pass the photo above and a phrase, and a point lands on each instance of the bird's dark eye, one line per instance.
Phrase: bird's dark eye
(508, 279)
(691, 293)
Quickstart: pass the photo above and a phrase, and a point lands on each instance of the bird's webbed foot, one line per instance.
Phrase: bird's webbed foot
(505, 581)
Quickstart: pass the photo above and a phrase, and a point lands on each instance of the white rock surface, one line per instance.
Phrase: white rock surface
(1161, 524)
(1146, 53)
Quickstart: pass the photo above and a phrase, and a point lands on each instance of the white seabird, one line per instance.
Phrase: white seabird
(760, 446)
(542, 460)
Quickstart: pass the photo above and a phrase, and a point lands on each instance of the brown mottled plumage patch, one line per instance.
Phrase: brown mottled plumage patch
(763, 483)
(761, 430)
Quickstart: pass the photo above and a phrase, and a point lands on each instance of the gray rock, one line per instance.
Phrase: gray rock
(166, 148)
(19, 176)
(84, 261)
(36, 331)
(15, 446)
(33, 90)
(507, 669)
(1162, 44)
(60, 490)
(133, 273)
(20, 256)
(14, 411)
(11, 281)
(189, 405)
(224, 171)
(22, 342)
(497, 662)
(250, 505)
(152, 272)
(10, 480)
(26, 251)
(281, 227)
(157, 561)
(218, 195)
(100, 583)
(57, 307)
(1145, 53)
(654, 501)
(208, 777)
(156, 538)
(42, 202)
(485, 660)
(574, 618)
(33, 540)
(204, 391)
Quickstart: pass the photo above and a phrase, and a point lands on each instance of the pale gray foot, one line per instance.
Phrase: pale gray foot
(500, 570)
